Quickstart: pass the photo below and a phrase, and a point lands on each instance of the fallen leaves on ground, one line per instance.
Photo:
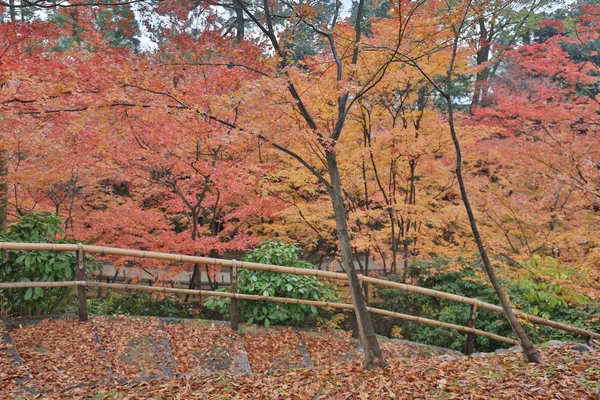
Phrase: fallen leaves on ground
(201, 347)
(272, 348)
(11, 372)
(331, 347)
(569, 375)
(403, 349)
(131, 346)
(61, 354)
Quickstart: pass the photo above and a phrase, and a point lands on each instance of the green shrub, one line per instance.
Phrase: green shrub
(138, 303)
(35, 266)
(274, 284)
(466, 278)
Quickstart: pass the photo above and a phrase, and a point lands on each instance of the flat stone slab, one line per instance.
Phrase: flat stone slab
(137, 348)
(205, 347)
(274, 348)
(399, 348)
(326, 348)
(75, 366)
(15, 379)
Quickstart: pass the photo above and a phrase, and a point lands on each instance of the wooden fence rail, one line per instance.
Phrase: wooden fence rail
(251, 297)
(481, 305)
(81, 283)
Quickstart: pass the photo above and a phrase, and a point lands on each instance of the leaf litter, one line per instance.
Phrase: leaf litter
(63, 355)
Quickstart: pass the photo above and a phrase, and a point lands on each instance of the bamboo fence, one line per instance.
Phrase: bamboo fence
(480, 304)
(251, 297)
(81, 284)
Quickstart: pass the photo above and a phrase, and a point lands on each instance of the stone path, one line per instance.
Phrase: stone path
(129, 349)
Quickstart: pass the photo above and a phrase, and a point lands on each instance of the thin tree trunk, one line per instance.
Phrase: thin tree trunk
(373, 354)
(214, 285)
(483, 56)
(528, 349)
(3, 190)
(365, 284)
(393, 266)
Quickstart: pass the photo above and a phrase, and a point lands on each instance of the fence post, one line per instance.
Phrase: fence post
(234, 311)
(471, 335)
(81, 294)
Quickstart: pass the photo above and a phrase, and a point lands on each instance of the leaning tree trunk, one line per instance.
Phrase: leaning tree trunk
(373, 354)
(528, 349)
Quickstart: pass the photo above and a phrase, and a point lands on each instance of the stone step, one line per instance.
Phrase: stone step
(205, 347)
(15, 378)
(136, 348)
(36, 358)
(275, 348)
(74, 366)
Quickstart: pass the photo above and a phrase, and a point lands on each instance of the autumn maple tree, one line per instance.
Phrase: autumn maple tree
(544, 109)
(240, 121)
(456, 24)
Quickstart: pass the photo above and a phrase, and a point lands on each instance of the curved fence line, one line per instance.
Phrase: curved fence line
(240, 296)
(80, 249)
(479, 304)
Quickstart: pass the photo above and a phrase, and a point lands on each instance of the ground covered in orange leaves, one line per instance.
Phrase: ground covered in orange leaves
(132, 358)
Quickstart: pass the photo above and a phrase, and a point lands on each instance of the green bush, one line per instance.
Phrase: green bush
(274, 284)
(35, 266)
(466, 278)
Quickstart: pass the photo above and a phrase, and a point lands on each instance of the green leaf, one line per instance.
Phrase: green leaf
(28, 294)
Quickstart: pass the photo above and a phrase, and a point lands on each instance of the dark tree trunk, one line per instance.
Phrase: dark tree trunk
(528, 349)
(239, 21)
(13, 10)
(355, 330)
(393, 266)
(214, 285)
(194, 281)
(3, 190)
(483, 56)
(373, 354)
(365, 284)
